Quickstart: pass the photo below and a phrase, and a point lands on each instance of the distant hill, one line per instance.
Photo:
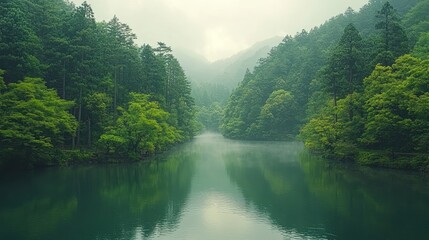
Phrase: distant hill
(227, 72)
(195, 66)
(231, 71)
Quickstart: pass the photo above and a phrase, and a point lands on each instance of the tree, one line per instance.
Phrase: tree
(396, 105)
(343, 73)
(394, 41)
(123, 59)
(34, 122)
(2, 84)
(179, 102)
(141, 129)
(18, 44)
(421, 49)
(351, 47)
(277, 119)
(98, 105)
(416, 21)
(154, 74)
(210, 117)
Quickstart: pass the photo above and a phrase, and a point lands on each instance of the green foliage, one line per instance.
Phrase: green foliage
(394, 40)
(421, 49)
(210, 117)
(320, 134)
(141, 129)
(165, 80)
(205, 94)
(330, 60)
(397, 105)
(34, 121)
(2, 84)
(317, 80)
(389, 116)
(18, 43)
(343, 73)
(276, 119)
(416, 21)
(96, 65)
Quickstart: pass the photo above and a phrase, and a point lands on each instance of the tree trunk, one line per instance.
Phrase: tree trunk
(115, 90)
(79, 116)
(89, 132)
(64, 79)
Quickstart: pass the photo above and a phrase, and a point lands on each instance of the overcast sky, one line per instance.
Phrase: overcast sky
(217, 29)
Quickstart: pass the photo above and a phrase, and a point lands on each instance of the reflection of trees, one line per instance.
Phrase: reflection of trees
(271, 181)
(151, 196)
(37, 217)
(103, 202)
(369, 203)
(30, 208)
(319, 198)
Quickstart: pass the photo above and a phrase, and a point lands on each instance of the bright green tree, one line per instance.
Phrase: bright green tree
(141, 129)
(277, 118)
(35, 121)
(397, 103)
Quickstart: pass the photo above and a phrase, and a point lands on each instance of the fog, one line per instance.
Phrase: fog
(221, 28)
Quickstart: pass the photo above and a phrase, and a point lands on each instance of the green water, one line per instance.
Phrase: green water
(213, 188)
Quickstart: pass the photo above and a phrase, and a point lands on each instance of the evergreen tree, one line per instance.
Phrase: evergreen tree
(394, 41)
(18, 43)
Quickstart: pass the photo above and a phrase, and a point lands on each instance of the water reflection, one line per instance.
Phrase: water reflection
(270, 178)
(213, 188)
(369, 203)
(102, 202)
(324, 200)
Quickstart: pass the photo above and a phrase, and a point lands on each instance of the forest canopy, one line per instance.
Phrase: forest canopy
(70, 82)
(353, 88)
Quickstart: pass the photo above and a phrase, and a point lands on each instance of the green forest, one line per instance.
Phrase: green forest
(76, 90)
(354, 88)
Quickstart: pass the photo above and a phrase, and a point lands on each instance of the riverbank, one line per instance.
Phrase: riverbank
(392, 160)
(76, 157)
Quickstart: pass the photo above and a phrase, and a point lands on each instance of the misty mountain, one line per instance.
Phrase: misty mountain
(196, 67)
(226, 72)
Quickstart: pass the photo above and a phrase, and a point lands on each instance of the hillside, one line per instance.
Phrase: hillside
(230, 71)
(320, 79)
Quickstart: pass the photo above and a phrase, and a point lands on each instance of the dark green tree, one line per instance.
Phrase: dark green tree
(153, 74)
(18, 43)
(394, 40)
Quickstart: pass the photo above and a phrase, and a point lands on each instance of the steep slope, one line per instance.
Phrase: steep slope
(287, 75)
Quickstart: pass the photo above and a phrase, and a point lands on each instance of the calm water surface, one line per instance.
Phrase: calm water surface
(213, 188)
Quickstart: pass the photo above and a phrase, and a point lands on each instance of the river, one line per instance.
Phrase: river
(214, 188)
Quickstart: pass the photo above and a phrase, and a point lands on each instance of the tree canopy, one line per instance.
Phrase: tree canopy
(34, 122)
(95, 66)
(348, 87)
